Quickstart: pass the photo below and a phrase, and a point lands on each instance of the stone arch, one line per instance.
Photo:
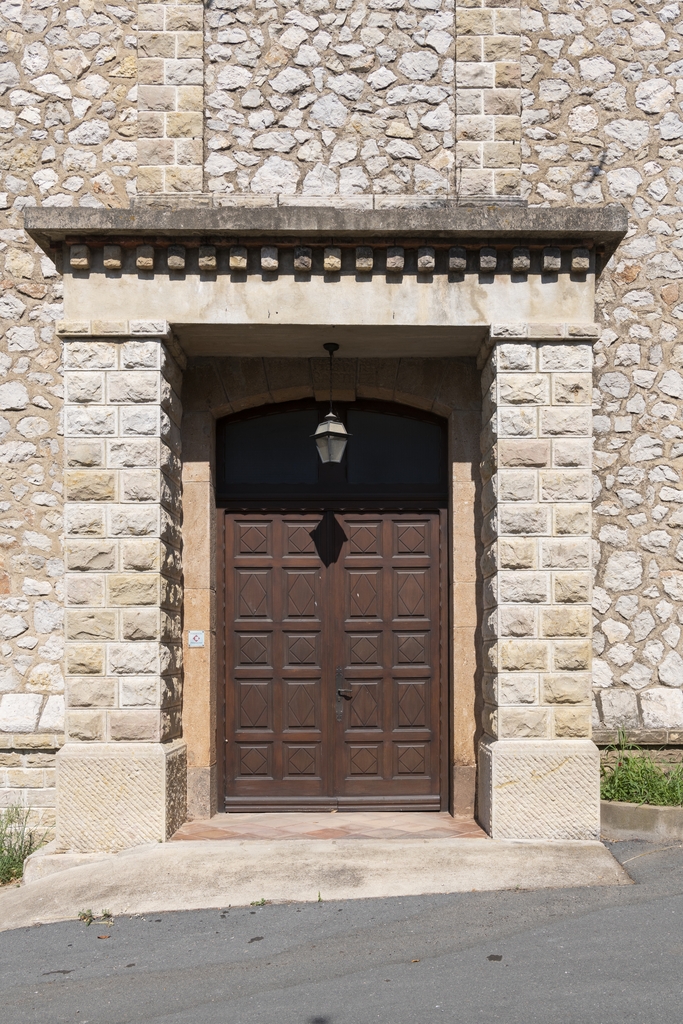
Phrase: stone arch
(214, 387)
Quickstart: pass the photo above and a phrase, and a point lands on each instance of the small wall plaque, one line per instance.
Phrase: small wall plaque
(195, 638)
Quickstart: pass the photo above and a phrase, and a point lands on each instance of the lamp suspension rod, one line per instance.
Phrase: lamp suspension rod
(331, 347)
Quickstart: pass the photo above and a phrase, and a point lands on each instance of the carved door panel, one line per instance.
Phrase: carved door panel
(388, 644)
(276, 717)
(332, 648)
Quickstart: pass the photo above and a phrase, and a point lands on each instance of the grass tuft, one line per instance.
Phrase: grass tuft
(17, 841)
(635, 778)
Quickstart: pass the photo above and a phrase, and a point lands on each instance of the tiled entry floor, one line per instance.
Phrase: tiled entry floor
(335, 825)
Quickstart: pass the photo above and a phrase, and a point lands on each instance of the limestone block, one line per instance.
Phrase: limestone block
(577, 421)
(517, 689)
(269, 258)
(91, 625)
(524, 389)
(552, 260)
(572, 722)
(144, 257)
(574, 688)
(112, 796)
(572, 388)
(540, 789)
(565, 554)
(207, 257)
(426, 260)
(580, 261)
(364, 259)
(457, 260)
(84, 659)
(89, 421)
(572, 587)
(84, 520)
(515, 356)
(332, 260)
(572, 520)
(84, 387)
(127, 659)
(175, 257)
(140, 624)
(134, 589)
(19, 712)
(488, 259)
(565, 621)
(565, 485)
(524, 656)
(92, 692)
(238, 257)
(133, 386)
(523, 452)
(84, 590)
(521, 261)
(395, 259)
(89, 355)
(571, 655)
(87, 726)
(524, 587)
(90, 556)
(303, 259)
(516, 553)
(515, 723)
(111, 257)
(571, 356)
(79, 257)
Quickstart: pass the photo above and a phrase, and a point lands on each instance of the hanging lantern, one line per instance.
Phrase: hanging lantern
(331, 435)
(330, 438)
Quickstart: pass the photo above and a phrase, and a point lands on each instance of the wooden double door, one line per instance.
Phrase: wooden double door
(333, 629)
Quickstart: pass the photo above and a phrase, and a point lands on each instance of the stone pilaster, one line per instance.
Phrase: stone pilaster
(121, 774)
(488, 98)
(539, 769)
(170, 97)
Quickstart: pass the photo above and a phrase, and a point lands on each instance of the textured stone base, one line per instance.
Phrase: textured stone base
(539, 789)
(111, 796)
(201, 792)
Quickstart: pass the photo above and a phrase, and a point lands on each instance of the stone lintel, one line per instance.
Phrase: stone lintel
(442, 218)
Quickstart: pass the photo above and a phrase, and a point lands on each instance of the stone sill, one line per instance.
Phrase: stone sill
(622, 821)
(640, 737)
(436, 219)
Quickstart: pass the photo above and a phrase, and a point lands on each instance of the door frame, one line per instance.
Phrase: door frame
(442, 618)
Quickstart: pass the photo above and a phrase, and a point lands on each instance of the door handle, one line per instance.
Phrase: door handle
(342, 694)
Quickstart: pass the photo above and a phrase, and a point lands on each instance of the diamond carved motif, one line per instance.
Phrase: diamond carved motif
(253, 760)
(253, 650)
(301, 650)
(363, 540)
(411, 595)
(364, 650)
(301, 761)
(253, 540)
(411, 760)
(253, 706)
(411, 649)
(363, 594)
(301, 603)
(364, 761)
(253, 595)
(411, 539)
(364, 707)
(411, 705)
(300, 541)
(301, 706)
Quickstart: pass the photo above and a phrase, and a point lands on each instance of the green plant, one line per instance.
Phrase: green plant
(86, 916)
(259, 903)
(635, 778)
(17, 840)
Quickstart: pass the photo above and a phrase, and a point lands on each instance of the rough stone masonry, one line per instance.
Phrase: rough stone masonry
(379, 105)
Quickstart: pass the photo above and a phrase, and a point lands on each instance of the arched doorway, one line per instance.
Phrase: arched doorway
(334, 609)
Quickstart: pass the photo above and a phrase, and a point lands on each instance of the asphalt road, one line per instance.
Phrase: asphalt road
(563, 956)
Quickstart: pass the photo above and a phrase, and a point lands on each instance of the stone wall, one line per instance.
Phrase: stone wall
(346, 101)
(602, 87)
(67, 128)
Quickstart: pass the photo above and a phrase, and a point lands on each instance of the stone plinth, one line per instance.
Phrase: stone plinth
(111, 796)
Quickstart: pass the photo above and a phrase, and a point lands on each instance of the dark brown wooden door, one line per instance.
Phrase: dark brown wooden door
(333, 660)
